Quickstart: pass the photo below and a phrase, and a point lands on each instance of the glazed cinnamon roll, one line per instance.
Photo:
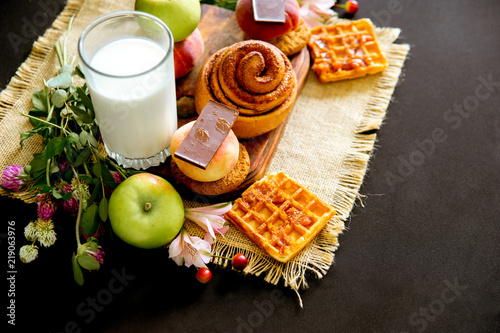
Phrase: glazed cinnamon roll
(254, 77)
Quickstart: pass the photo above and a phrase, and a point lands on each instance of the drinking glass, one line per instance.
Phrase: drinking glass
(127, 59)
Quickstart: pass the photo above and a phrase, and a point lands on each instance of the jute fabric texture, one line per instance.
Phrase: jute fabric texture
(326, 146)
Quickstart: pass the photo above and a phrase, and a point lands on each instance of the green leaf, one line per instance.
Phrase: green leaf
(63, 113)
(97, 169)
(66, 68)
(95, 195)
(62, 80)
(71, 153)
(77, 271)
(85, 99)
(39, 174)
(87, 179)
(93, 245)
(73, 138)
(80, 251)
(103, 209)
(38, 163)
(54, 147)
(92, 140)
(89, 220)
(56, 194)
(68, 175)
(81, 114)
(82, 158)
(88, 262)
(106, 174)
(54, 168)
(45, 189)
(111, 185)
(67, 196)
(36, 113)
(58, 98)
(72, 91)
(27, 169)
(39, 99)
(83, 137)
(39, 127)
(87, 137)
(39, 182)
(24, 136)
(227, 4)
(78, 71)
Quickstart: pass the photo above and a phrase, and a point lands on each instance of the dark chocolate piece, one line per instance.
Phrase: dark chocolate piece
(269, 11)
(206, 135)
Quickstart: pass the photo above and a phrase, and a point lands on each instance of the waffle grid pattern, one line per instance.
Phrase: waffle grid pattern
(279, 215)
(345, 51)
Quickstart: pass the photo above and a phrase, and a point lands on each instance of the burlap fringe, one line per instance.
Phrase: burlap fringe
(319, 256)
(26, 73)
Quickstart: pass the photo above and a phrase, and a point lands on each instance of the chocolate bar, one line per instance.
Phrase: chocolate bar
(269, 11)
(205, 137)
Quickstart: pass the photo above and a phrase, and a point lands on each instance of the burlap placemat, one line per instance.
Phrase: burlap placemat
(326, 145)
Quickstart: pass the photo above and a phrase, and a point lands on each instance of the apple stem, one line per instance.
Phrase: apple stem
(147, 206)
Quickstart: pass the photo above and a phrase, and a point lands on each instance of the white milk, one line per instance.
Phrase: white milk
(135, 106)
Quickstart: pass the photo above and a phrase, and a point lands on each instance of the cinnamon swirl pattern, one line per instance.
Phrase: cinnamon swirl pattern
(252, 76)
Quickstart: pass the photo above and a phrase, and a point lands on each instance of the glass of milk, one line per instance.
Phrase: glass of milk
(127, 59)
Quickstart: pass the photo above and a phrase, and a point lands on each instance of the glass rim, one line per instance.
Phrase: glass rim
(124, 13)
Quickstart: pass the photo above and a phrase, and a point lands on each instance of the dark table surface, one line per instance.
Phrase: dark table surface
(422, 254)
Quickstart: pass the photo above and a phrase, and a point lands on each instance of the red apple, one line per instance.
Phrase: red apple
(266, 30)
(221, 164)
(187, 53)
(146, 211)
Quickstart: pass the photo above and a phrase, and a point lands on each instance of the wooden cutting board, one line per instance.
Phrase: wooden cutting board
(219, 29)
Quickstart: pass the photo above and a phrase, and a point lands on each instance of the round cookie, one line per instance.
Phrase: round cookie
(294, 41)
(225, 185)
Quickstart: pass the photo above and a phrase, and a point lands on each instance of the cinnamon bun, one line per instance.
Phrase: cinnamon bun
(254, 77)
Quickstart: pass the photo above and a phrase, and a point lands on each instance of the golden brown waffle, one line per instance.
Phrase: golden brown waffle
(279, 215)
(345, 51)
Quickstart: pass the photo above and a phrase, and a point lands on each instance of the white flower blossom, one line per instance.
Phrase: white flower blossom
(187, 250)
(211, 219)
(28, 253)
(45, 232)
(30, 231)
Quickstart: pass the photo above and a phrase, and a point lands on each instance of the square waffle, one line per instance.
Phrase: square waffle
(345, 51)
(279, 215)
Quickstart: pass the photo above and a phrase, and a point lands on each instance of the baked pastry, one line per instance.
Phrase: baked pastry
(279, 215)
(255, 78)
(227, 184)
(345, 51)
(294, 41)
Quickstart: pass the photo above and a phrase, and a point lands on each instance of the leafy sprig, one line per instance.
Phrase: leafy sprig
(63, 115)
(228, 4)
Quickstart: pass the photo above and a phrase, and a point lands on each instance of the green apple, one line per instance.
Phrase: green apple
(181, 16)
(146, 211)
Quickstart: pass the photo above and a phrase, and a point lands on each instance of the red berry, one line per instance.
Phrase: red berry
(204, 275)
(351, 7)
(239, 261)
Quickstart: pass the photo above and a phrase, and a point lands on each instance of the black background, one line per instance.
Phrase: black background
(422, 254)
